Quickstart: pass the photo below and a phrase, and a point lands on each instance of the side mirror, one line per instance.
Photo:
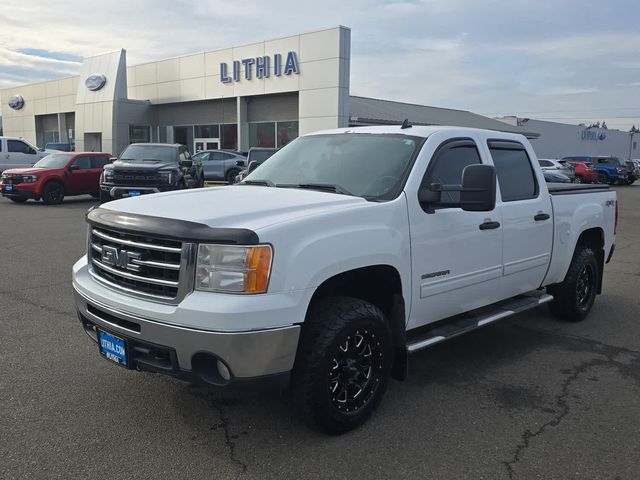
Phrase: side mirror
(74, 167)
(112, 159)
(478, 192)
(239, 163)
(186, 163)
(253, 165)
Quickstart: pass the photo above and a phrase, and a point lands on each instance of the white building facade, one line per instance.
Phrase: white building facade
(262, 94)
(557, 140)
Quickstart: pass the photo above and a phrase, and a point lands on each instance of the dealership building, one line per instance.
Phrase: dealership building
(262, 94)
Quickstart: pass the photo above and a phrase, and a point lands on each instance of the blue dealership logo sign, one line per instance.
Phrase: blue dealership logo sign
(16, 102)
(261, 66)
(95, 81)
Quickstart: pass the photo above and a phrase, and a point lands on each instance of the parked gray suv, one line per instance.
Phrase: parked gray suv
(221, 165)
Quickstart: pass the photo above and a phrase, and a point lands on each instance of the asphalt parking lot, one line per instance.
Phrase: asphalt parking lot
(527, 398)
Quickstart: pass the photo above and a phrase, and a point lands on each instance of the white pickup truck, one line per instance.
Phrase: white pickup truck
(342, 254)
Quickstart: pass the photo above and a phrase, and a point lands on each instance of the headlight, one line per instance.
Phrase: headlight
(107, 176)
(165, 176)
(232, 269)
(29, 178)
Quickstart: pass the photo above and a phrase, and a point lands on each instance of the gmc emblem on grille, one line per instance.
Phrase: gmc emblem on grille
(120, 258)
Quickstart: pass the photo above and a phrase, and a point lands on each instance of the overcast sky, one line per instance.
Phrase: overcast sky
(565, 60)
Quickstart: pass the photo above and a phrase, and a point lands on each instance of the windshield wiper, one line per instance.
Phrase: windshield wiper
(317, 186)
(264, 183)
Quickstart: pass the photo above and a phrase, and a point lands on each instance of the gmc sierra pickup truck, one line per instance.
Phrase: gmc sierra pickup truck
(336, 259)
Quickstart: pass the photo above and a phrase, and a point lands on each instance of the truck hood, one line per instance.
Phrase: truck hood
(149, 166)
(239, 206)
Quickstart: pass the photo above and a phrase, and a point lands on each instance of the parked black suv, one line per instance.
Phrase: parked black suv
(148, 168)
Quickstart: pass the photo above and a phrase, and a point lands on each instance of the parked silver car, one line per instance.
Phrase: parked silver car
(221, 165)
(554, 166)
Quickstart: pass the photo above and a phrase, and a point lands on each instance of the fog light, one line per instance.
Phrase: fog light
(224, 371)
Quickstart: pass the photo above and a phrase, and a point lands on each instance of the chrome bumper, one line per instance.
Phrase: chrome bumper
(246, 354)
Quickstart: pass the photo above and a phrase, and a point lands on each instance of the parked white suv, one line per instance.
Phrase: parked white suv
(17, 152)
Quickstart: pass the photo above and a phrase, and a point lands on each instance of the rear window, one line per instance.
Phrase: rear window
(514, 171)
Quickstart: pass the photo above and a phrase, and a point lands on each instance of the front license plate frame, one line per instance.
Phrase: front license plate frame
(113, 348)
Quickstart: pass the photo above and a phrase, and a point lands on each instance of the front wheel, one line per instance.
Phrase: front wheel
(53, 193)
(343, 364)
(574, 297)
(577, 180)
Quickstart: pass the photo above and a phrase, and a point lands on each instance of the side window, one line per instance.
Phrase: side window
(448, 163)
(81, 163)
(17, 146)
(181, 154)
(545, 163)
(220, 156)
(514, 171)
(99, 162)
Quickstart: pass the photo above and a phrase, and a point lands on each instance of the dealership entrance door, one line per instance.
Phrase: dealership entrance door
(200, 144)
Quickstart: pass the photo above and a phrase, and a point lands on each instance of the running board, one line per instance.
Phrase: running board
(444, 330)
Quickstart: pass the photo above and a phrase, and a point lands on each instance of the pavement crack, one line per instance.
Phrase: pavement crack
(228, 438)
(562, 411)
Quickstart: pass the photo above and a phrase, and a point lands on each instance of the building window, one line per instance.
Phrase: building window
(287, 131)
(139, 134)
(262, 134)
(229, 136)
(52, 136)
(207, 131)
(634, 145)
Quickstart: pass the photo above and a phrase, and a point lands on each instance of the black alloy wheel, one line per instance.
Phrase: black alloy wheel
(343, 364)
(231, 176)
(53, 193)
(585, 285)
(354, 373)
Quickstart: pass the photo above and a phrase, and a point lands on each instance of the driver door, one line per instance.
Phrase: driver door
(456, 254)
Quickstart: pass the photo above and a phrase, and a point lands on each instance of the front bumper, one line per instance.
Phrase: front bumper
(122, 191)
(248, 355)
(20, 190)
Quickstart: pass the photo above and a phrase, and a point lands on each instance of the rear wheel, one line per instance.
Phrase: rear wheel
(17, 200)
(343, 364)
(578, 180)
(574, 297)
(603, 178)
(53, 193)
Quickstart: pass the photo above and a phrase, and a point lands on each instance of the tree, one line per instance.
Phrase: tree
(634, 129)
(604, 125)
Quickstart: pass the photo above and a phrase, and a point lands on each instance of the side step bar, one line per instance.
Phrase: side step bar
(446, 329)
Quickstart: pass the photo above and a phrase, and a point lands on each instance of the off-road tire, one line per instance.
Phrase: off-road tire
(231, 176)
(331, 325)
(53, 193)
(18, 199)
(570, 300)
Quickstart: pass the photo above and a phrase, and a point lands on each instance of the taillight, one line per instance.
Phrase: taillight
(615, 225)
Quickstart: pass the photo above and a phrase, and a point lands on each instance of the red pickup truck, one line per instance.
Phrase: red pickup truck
(54, 177)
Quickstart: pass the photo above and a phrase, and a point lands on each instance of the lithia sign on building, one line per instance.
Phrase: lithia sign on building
(261, 66)
(592, 135)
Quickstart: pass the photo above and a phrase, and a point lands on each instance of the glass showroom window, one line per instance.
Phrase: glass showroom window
(52, 136)
(262, 134)
(287, 131)
(139, 134)
(229, 136)
(206, 131)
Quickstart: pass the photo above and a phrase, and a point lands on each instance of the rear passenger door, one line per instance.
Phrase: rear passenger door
(79, 179)
(527, 217)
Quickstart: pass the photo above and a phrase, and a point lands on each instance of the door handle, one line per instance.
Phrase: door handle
(489, 225)
(541, 216)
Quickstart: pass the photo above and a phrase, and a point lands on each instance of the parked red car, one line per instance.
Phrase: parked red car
(54, 177)
(584, 172)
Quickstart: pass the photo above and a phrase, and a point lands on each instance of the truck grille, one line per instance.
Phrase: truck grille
(141, 265)
(136, 178)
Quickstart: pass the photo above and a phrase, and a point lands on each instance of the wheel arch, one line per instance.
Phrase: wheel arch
(380, 285)
(594, 239)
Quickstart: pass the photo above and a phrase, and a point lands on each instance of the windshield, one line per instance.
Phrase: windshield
(55, 160)
(260, 155)
(149, 153)
(372, 166)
